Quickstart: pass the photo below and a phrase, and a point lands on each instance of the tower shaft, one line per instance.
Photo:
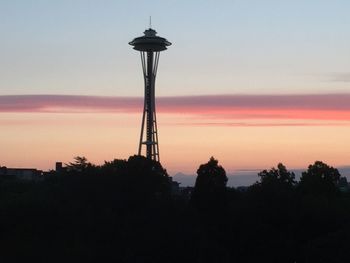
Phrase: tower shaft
(149, 61)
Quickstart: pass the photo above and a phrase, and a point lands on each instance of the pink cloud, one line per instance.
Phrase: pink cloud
(263, 124)
(68, 103)
(324, 101)
(335, 107)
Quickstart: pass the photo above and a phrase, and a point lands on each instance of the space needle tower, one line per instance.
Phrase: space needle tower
(150, 45)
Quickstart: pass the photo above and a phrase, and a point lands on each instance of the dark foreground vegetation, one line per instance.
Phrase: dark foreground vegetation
(127, 211)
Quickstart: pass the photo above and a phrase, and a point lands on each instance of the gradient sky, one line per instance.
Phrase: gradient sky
(250, 82)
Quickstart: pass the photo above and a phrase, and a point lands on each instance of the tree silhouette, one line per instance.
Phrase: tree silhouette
(320, 179)
(80, 164)
(279, 177)
(210, 187)
(114, 167)
(141, 177)
(121, 209)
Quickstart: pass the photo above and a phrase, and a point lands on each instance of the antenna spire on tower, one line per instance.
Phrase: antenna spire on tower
(150, 21)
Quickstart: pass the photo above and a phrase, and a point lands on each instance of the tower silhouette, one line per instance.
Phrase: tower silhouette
(150, 45)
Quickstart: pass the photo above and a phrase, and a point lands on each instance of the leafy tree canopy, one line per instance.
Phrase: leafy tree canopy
(279, 175)
(210, 187)
(80, 164)
(320, 179)
(211, 176)
(139, 175)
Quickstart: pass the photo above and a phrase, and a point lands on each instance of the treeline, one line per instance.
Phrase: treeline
(129, 211)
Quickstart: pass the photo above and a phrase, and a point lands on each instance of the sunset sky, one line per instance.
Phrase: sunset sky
(250, 82)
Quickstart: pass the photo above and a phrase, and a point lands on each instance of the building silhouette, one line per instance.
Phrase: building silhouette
(26, 174)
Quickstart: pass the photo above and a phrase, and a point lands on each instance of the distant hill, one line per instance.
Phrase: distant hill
(239, 178)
